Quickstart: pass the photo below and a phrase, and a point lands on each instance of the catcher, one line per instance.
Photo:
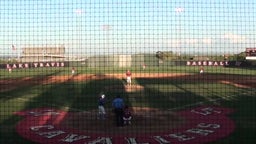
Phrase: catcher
(127, 116)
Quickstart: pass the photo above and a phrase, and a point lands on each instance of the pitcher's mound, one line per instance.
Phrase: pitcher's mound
(125, 88)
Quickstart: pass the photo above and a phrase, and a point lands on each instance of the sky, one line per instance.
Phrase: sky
(94, 27)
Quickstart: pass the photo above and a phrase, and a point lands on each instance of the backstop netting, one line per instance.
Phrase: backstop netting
(127, 71)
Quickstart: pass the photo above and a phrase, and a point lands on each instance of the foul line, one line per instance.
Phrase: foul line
(197, 103)
(202, 102)
(66, 107)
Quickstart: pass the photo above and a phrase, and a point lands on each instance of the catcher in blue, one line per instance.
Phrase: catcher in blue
(127, 116)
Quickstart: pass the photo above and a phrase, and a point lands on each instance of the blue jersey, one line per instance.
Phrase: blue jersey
(101, 102)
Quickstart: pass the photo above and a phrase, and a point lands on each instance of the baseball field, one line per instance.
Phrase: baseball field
(170, 105)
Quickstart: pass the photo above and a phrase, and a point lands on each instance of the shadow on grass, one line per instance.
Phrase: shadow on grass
(21, 86)
(69, 95)
(244, 116)
(164, 93)
(167, 93)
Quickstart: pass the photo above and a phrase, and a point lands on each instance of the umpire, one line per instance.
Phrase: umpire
(118, 105)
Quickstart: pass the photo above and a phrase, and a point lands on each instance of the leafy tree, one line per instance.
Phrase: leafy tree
(237, 57)
(166, 55)
(160, 55)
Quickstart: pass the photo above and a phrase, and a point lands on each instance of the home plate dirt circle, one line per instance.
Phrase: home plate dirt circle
(145, 120)
(199, 125)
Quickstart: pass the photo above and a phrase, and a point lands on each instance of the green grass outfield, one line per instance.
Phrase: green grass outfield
(32, 72)
(160, 93)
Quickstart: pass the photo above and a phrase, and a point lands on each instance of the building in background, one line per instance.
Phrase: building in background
(43, 54)
(250, 53)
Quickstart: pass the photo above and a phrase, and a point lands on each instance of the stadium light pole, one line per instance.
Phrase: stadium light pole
(179, 11)
(79, 13)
